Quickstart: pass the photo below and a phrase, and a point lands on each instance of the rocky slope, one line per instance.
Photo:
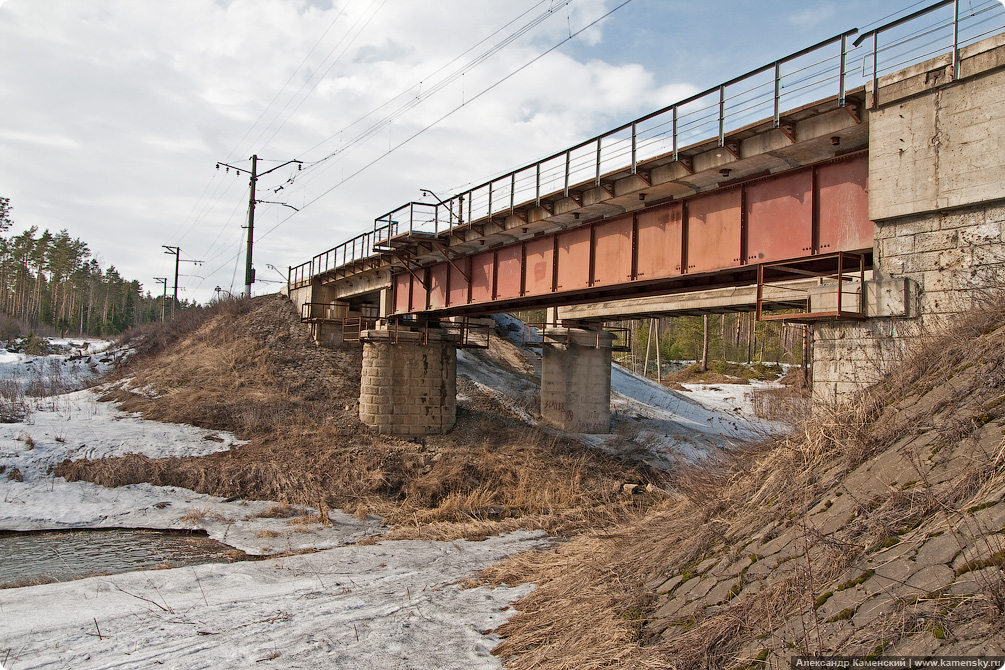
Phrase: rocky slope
(877, 529)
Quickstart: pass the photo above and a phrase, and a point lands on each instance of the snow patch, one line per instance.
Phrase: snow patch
(77, 425)
(395, 604)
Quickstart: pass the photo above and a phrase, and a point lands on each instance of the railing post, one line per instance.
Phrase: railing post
(635, 164)
(537, 188)
(844, 70)
(568, 158)
(875, 70)
(778, 94)
(956, 40)
(840, 279)
(512, 192)
(411, 218)
(675, 144)
(490, 200)
(722, 116)
(597, 180)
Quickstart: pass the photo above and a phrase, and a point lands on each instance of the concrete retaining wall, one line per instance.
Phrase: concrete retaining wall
(953, 260)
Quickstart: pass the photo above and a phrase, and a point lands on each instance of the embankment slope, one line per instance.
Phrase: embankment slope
(876, 529)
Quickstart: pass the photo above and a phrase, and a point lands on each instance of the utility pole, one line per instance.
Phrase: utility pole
(163, 280)
(177, 259)
(249, 270)
(176, 251)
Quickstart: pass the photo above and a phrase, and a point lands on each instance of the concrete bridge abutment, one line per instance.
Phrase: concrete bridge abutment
(937, 196)
(576, 379)
(409, 382)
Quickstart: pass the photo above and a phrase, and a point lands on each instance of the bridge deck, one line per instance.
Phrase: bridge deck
(691, 196)
(709, 240)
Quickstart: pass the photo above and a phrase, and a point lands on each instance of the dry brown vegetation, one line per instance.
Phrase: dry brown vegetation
(250, 367)
(819, 542)
(878, 528)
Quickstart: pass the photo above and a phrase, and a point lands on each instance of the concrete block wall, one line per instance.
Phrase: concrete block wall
(953, 255)
(408, 387)
(953, 258)
(937, 195)
(326, 334)
(847, 357)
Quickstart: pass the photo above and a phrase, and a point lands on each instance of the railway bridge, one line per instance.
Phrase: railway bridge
(856, 187)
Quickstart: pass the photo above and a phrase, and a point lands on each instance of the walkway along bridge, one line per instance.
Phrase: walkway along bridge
(848, 186)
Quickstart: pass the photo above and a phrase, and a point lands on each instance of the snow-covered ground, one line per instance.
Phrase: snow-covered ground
(76, 425)
(673, 424)
(669, 424)
(393, 605)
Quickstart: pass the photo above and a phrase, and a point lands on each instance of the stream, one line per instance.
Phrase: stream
(28, 558)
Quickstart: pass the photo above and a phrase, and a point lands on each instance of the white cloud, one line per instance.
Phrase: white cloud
(116, 111)
(812, 16)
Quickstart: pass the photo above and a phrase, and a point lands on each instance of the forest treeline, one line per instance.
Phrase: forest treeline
(735, 337)
(52, 283)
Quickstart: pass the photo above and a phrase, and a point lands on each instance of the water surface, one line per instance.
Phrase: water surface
(61, 555)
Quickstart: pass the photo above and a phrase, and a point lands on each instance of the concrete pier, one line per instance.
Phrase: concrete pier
(409, 382)
(576, 380)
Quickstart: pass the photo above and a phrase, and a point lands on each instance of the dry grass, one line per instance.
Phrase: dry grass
(34, 580)
(789, 404)
(597, 593)
(251, 368)
(280, 511)
(205, 514)
(594, 605)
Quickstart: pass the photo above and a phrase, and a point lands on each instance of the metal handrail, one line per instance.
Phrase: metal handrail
(623, 148)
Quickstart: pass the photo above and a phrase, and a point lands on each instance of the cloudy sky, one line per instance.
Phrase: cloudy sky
(114, 113)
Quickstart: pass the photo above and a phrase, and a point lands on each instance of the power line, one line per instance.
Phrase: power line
(325, 73)
(311, 173)
(452, 111)
(283, 87)
(420, 83)
(213, 198)
(481, 58)
(452, 77)
(386, 121)
(443, 117)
